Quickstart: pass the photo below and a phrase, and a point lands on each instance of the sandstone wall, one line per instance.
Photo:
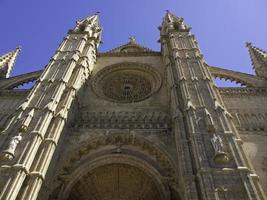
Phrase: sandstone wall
(249, 109)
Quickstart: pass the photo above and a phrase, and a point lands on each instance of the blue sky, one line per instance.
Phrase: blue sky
(221, 26)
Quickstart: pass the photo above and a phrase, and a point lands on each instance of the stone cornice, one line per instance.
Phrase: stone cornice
(124, 120)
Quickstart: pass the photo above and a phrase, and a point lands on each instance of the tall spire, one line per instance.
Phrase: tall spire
(259, 60)
(7, 62)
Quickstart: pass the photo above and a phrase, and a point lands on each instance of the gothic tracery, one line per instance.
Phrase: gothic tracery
(126, 82)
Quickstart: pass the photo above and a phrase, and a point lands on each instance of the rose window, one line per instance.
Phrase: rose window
(126, 84)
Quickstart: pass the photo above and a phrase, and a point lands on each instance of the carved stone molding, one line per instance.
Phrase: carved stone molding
(239, 91)
(125, 120)
(117, 148)
(126, 82)
(250, 122)
(122, 142)
(70, 181)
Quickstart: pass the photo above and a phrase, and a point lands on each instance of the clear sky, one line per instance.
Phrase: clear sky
(221, 26)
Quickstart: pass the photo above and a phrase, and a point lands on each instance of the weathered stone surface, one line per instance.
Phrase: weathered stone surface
(132, 123)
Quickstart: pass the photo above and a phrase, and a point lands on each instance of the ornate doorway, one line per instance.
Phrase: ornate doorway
(102, 170)
(116, 182)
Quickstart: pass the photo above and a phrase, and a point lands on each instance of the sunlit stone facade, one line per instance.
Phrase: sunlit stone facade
(133, 123)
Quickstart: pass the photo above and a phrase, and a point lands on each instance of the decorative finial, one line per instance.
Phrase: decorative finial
(248, 44)
(19, 47)
(132, 39)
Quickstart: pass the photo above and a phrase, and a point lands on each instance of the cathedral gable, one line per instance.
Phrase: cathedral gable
(130, 48)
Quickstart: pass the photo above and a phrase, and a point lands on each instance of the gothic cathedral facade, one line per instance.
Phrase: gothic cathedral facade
(133, 123)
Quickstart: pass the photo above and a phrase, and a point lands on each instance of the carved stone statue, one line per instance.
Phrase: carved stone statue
(10, 151)
(220, 156)
(217, 143)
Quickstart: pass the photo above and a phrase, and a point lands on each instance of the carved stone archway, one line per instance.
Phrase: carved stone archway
(116, 177)
(139, 161)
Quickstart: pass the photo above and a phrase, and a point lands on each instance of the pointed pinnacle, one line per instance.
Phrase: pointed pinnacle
(92, 19)
(248, 44)
(7, 62)
(177, 22)
(19, 48)
(257, 55)
(173, 17)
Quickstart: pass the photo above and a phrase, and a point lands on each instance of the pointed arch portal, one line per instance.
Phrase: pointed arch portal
(116, 181)
(117, 167)
(116, 177)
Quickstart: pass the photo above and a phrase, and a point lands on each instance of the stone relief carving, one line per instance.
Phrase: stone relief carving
(120, 141)
(220, 155)
(139, 120)
(217, 143)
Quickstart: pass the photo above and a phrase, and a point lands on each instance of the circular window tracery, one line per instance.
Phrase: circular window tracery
(126, 83)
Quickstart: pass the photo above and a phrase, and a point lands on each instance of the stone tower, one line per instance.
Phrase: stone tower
(133, 123)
